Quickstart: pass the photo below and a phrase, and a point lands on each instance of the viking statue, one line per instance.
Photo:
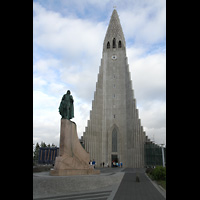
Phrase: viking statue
(66, 108)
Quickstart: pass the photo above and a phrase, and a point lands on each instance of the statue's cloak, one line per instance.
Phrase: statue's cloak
(66, 108)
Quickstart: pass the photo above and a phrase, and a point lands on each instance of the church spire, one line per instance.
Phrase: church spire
(114, 35)
(114, 130)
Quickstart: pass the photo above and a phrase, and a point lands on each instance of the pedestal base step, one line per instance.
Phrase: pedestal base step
(70, 172)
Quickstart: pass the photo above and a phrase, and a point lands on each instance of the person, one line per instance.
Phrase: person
(113, 163)
(93, 163)
(121, 164)
(66, 108)
(103, 164)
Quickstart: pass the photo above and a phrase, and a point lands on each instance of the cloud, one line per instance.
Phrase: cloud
(153, 114)
(38, 82)
(76, 50)
(145, 22)
(149, 75)
(157, 135)
(67, 48)
(81, 112)
(42, 99)
(46, 70)
(70, 36)
(45, 117)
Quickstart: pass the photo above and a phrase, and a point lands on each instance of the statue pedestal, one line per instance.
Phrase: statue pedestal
(70, 172)
(72, 159)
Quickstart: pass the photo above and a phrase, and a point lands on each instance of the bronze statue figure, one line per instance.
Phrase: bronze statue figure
(66, 108)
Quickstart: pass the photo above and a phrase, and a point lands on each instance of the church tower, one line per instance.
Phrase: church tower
(114, 131)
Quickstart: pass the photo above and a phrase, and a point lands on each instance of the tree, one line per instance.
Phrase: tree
(36, 152)
(53, 145)
(43, 144)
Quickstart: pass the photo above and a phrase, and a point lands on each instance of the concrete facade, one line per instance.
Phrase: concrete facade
(114, 129)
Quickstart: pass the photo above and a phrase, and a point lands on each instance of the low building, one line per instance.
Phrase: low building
(153, 154)
(47, 155)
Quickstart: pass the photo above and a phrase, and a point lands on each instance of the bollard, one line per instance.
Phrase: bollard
(137, 178)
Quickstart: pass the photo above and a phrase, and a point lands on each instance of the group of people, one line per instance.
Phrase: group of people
(92, 163)
(106, 165)
(116, 164)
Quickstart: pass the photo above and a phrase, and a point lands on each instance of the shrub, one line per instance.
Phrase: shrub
(149, 170)
(159, 173)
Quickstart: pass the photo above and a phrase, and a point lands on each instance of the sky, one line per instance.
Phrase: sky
(67, 50)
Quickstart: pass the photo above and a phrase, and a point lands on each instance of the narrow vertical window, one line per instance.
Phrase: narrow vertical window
(120, 44)
(114, 140)
(114, 43)
(108, 45)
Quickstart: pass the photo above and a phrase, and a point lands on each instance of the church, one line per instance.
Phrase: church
(114, 131)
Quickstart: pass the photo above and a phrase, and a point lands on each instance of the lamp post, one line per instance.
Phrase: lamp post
(163, 157)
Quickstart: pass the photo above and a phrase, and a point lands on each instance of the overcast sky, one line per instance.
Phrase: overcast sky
(68, 40)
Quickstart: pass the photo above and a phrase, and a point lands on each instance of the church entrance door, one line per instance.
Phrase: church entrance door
(114, 161)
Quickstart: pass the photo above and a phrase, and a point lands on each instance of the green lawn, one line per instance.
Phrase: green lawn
(162, 183)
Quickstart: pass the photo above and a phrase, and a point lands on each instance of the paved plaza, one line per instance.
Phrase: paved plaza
(112, 183)
(143, 190)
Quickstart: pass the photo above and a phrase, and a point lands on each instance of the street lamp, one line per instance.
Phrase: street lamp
(163, 157)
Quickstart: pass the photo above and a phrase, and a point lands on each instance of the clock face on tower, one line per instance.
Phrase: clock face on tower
(114, 57)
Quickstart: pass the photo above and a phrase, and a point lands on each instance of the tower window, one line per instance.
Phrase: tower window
(114, 140)
(114, 43)
(108, 45)
(120, 44)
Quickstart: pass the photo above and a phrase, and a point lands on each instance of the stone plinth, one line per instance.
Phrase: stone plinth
(72, 159)
(69, 172)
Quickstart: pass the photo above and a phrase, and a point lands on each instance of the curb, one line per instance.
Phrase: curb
(158, 187)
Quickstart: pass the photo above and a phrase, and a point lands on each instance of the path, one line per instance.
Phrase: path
(102, 195)
(91, 187)
(112, 183)
(129, 189)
